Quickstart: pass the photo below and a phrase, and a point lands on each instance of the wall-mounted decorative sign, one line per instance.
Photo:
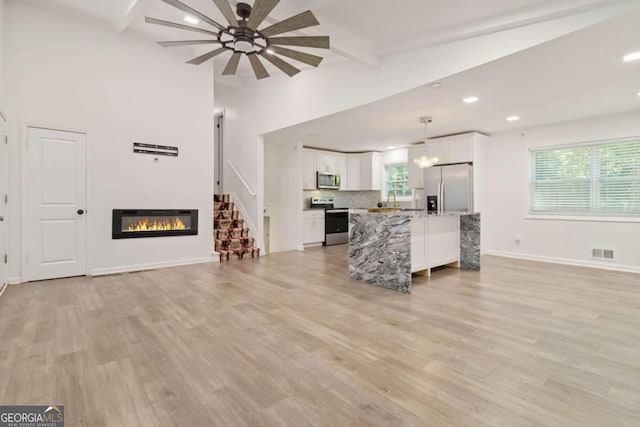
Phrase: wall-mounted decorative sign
(156, 150)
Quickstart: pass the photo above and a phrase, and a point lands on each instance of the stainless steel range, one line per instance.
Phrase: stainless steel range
(336, 221)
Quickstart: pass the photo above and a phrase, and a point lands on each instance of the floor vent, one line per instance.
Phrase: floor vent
(603, 254)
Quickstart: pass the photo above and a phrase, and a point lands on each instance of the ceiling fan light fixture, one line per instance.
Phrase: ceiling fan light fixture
(242, 45)
(248, 36)
(191, 20)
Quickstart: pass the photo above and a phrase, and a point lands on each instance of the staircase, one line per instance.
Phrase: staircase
(232, 239)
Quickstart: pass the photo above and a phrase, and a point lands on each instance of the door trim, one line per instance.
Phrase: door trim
(24, 201)
(218, 147)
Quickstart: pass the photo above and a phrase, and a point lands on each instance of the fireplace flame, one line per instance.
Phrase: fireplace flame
(146, 224)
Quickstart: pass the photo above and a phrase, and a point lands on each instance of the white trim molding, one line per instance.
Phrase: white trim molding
(150, 266)
(566, 261)
(14, 280)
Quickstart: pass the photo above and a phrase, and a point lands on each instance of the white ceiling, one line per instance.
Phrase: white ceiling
(576, 76)
(360, 30)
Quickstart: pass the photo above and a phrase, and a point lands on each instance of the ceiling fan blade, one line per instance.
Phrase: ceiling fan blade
(258, 68)
(287, 68)
(187, 43)
(180, 26)
(226, 10)
(207, 56)
(298, 22)
(232, 65)
(183, 7)
(261, 9)
(321, 42)
(297, 55)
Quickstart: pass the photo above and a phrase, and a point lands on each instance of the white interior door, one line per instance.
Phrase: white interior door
(4, 190)
(54, 227)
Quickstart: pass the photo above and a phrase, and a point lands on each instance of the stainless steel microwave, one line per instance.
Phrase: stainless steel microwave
(328, 181)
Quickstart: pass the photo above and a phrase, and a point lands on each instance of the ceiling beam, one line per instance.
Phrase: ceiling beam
(130, 13)
(343, 43)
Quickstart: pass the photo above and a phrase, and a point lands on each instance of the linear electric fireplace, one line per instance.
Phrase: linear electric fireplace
(133, 223)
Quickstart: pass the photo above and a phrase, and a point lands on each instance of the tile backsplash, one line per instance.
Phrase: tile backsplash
(345, 199)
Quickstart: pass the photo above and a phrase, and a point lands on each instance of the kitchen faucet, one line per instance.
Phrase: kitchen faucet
(394, 198)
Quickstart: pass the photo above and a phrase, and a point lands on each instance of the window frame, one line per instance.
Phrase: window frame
(384, 181)
(574, 216)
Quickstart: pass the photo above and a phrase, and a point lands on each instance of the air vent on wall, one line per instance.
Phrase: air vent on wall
(603, 254)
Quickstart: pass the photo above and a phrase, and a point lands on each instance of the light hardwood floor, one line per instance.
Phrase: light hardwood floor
(289, 340)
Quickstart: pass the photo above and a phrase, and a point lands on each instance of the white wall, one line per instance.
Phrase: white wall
(2, 31)
(506, 195)
(283, 195)
(263, 106)
(63, 73)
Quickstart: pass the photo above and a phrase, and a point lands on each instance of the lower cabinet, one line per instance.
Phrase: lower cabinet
(313, 227)
(435, 241)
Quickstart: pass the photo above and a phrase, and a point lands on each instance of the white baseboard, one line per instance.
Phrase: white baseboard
(298, 247)
(5, 286)
(14, 280)
(151, 266)
(566, 261)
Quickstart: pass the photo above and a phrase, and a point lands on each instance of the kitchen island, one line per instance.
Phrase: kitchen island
(386, 248)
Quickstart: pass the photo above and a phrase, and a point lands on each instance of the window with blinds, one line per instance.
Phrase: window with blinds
(590, 179)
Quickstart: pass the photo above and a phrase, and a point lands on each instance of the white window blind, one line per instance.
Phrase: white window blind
(590, 179)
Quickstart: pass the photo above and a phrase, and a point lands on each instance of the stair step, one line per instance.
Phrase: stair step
(234, 244)
(239, 254)
(222, 198)
(226, 224)
(223, 206)
(234, 233)
(226, 215)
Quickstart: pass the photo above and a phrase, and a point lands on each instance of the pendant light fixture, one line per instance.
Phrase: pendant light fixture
(425, 161)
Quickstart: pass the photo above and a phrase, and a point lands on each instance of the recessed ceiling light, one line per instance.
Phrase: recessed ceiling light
(191, 20)
(632, 57)
(436, 85)
(270, 51)
(470, 100)
(390, 148)
(513, 118)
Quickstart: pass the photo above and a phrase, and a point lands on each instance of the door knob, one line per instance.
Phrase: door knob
(80, 212)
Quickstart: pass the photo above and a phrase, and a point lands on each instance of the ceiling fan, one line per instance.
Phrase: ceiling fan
(242, 36)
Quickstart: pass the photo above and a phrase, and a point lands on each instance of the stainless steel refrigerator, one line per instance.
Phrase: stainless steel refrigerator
(450, 187)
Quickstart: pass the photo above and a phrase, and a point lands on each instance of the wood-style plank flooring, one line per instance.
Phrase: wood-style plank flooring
(289, 340)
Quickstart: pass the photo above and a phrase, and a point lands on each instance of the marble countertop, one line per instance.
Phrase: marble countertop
(414, 213)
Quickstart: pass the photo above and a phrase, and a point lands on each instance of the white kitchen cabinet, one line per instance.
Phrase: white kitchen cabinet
(439, 149)
(453, 149)
(313, 227)
(354, 172)
(309, 169)
(461, 149)
(418, 244)
(371, 177)
(435, 241)
(443, 240)
(416, 174)
(329, 162)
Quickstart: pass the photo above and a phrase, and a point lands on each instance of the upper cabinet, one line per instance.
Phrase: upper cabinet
(452, 149)
(314, 161)
(309, 169)
(354, 173)
(370, 176)
(449, 150)
(330, 162)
